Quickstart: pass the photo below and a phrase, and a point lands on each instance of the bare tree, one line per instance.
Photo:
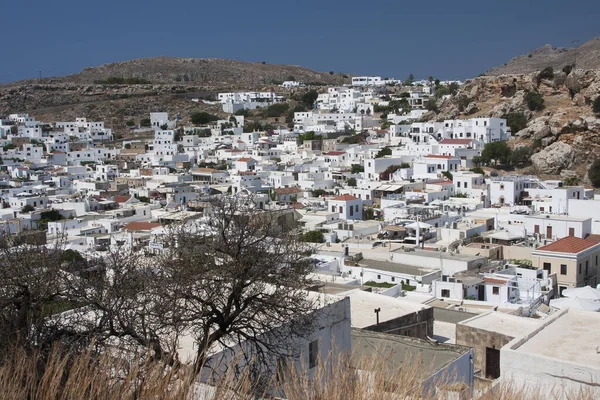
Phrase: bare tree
(239, 275)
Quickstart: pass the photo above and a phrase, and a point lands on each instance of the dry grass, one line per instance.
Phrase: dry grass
(89, 376)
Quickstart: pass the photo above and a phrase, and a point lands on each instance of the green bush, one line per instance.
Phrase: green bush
(516, 121)
(594, 173)
(309, 98)
(478, 170)
(596, 105)
(547, 73)
(496, 151)
(357, 169)
(145, 122)
(535, 101)
(202, 118)
(351, 182)
(307, 136)
(275, 110)
(386, 151)
(314, 237)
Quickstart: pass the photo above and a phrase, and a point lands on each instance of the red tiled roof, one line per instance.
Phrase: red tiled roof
(246, 159)
(335, 153)
(569, 244)
(345, 197)
(141, 226)
(495, 281)
(205, 170)
(456, 141)
(593, 238)
(122, 199)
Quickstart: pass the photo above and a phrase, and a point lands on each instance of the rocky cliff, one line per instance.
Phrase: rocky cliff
(586, 56)
(564, 134)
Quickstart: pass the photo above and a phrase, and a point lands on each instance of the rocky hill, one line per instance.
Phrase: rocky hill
(586, 56)
(126, 90)
(201, 71)
(564, 135)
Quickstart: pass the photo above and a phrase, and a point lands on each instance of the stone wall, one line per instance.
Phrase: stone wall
(479, 340)
(418, 324)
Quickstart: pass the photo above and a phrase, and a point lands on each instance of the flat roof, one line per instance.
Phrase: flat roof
(505, 324)
(572, 336)
(395, 267)
(443, 255)
(558, 217)
(401, 351)
(363, 305)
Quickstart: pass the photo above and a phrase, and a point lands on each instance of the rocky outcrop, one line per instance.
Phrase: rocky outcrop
(586, 56)
(554, 158)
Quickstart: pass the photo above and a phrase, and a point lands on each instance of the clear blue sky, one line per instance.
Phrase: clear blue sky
(446, 39)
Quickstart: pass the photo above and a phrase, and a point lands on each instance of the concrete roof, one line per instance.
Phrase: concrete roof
(394, 267)
(399, 351)
(505, 324)
(570, 336)
(363, 305)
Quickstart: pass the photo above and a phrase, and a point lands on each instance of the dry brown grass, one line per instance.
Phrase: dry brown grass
(89, 376)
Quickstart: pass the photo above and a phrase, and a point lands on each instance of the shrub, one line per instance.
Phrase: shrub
(478, 170)
(357, 168)
(594, 173)
(431, 105)
(27, 208)
(130, 123)
(314, 237)
(307, 136)
(596, 105)
(568, 68)
(448, 175)
(516, 121)
(521, 155)
(309, 98)
(535, 101)
(386, 151)
(202, 118)
(241, 111)
(145, 122)
(275, 110)
(496, 151)
(547, 73)
(351, 182)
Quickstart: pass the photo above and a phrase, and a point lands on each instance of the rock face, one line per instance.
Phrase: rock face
(554, 158)
(586, 56)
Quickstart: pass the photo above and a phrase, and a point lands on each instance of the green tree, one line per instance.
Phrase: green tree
(496, 152)
(596, 105)
(309, 98)
(448, 175)
(314, 237)
(594, 173)
(275, 110)
(521, 156)
(516, 121)
(27, 208)
(386, 151)
(202, 118)
(534, 101)
(351, 182)
(477, 160)
(431, 105)
(409, 81)
(357, 169)
(130, 123)
(145, 122)
(308, 136)
(478, 170)
(241, 111)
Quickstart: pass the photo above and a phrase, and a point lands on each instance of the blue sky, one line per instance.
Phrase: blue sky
(393, 38)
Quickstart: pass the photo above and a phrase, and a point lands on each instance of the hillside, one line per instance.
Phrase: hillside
(587, 56)
(564, 136)
(168, 84)
(200, 71)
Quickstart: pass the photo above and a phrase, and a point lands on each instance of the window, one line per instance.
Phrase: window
(313, 351)
(356, 208)
(563, 269)
(378, 276)
(571, 231)
(495, 290)
(393, 279)
(446, 293)
(547, 267)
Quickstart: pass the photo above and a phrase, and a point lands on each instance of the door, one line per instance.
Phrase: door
(571, 231)
(536, 229)
(481, 294)
(548, 232)
(492, 363)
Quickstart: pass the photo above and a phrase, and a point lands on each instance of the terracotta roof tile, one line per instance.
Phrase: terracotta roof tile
(569, 244)
(345, 197)
(141, 226)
